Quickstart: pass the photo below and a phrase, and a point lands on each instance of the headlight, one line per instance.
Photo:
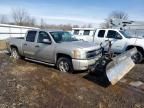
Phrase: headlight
(76, 54)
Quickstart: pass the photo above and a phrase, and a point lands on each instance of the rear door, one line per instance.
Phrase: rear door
(99, 36)
(29, 46)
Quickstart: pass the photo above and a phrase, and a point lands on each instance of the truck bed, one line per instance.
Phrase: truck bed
(15, 41)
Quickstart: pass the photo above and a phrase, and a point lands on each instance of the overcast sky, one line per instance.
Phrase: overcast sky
(75, 11)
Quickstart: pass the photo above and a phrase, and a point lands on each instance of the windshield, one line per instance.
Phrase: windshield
(133, 33)
(125, 34)
(62, 37)
(136, 33)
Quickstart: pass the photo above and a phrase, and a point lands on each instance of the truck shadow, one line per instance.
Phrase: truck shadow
(100, 80)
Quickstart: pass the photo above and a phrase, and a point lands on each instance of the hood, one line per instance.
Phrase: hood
(136, 41)
(135, 37)
(83, 45)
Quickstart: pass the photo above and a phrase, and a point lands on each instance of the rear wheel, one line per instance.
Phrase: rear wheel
(138, 57)
(65, 65)
(14, 53)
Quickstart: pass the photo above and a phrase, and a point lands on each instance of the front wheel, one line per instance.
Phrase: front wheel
(137, 58)
(65, 65)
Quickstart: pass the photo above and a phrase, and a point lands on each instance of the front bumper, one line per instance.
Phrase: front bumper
(83, 64)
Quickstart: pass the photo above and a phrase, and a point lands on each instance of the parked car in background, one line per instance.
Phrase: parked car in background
(84, 33)
(121, 40)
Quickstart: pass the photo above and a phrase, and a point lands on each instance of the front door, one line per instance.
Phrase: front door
(44, 51)
(118, 42)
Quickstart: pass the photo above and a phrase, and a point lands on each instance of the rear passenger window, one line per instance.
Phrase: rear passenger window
(86, 32)
(101, 33)
(31, 36)
(76, 32)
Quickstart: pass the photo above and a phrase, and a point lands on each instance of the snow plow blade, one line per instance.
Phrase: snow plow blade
(120, 66)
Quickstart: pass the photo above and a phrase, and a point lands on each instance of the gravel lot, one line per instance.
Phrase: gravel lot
(25, 84)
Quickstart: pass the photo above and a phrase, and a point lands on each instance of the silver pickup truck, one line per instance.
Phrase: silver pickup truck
(57, 48)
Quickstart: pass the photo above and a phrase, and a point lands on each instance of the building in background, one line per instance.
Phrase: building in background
(7, 31)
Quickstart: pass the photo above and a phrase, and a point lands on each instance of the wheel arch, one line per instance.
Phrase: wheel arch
(68, 58)
(13, 46)
(137, 47)
(58, 55)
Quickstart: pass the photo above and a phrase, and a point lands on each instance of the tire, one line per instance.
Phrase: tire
(65, 65)
(15, 54)
(138, 57)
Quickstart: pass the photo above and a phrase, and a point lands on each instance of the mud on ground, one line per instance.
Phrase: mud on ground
(29, 85)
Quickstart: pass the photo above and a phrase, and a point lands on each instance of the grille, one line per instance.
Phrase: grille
(93, 53)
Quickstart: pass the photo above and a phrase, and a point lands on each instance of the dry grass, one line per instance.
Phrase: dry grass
(2, 45)
(25, 84)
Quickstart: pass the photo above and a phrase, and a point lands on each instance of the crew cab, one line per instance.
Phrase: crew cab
(56, 48)
(121, 40)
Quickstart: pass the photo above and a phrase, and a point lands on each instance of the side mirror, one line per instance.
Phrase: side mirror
(46, 41)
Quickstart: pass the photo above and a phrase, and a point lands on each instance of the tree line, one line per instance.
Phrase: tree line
(23, 18)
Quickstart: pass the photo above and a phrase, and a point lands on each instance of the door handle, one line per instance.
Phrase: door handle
(25, 44)
(37, 46)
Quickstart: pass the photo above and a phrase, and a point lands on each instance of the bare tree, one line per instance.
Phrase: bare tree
(30, 21)
(42, 24)
(84, 26)
(119, 15)
(22, 18)
(19, 16)
(114, 15)
(66, 27)
(75, 26)
(105, 25)
(89, 26)
(4, 19)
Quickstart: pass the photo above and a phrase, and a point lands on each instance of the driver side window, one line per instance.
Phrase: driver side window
(113, 34)
(43, 35)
